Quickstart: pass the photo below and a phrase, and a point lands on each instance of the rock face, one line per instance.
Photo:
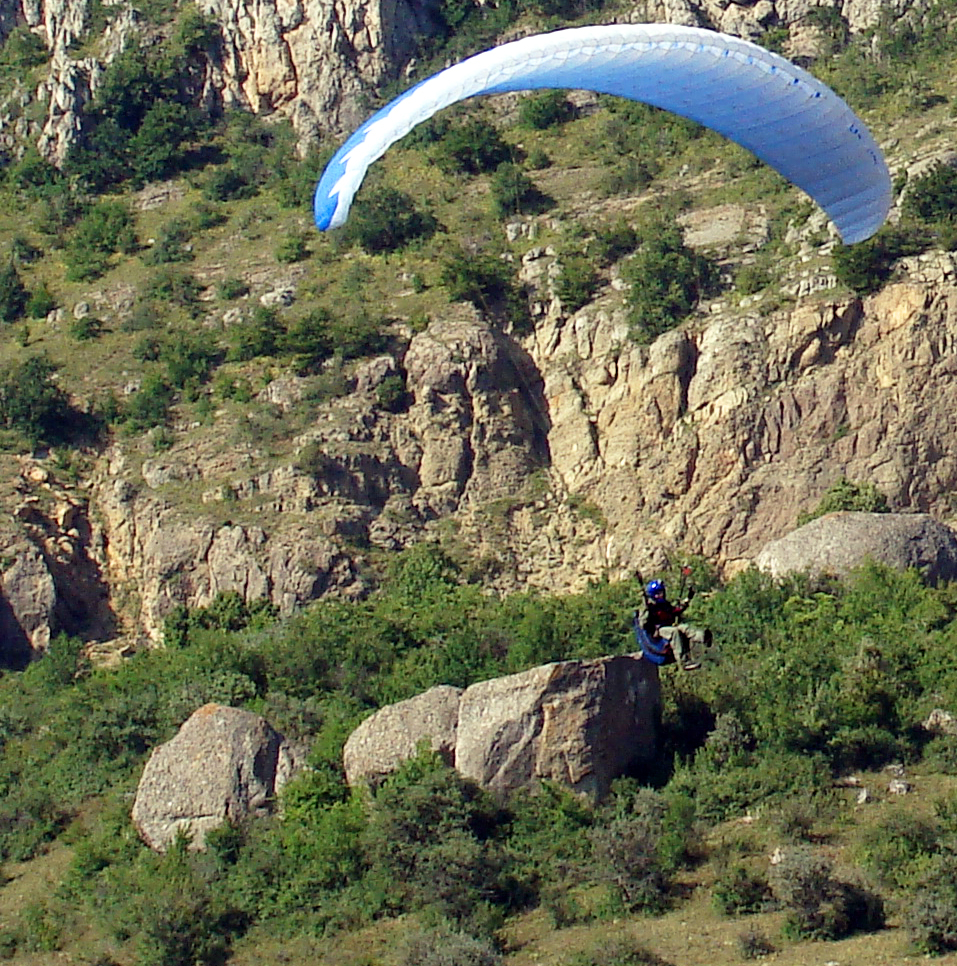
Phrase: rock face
(223, 764)
(315, 62)
(838, 542)
(580, 723)
(392, 734)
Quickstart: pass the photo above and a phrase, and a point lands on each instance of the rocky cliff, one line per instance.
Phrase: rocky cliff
(315, 61)
(544, 460)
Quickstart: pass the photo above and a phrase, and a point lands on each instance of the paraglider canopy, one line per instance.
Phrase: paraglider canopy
(758, 99)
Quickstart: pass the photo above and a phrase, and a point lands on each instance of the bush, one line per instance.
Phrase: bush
(86, 327)
(232, 288)
(293, 248)
(149, 406)
(626, 854)
(31, 403)
(866, 266)
(172, 245)
(666, 279)
(514, 193)
(41, 302)
(23, 50)
(174, 287)
(932, 197)
(228, 182)
(544, 110)
(628, 176)
(445, 946)
(473, 146)
(385, 220)
(486, 282)
(13, 294)
(577, 283)
(260, 335)
(847, 495)
(898, 849)
(931, 915)
(818, 905)
(738, 892)
(754, 945)
(617, 951)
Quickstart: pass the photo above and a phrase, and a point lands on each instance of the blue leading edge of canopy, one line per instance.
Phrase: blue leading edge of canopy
(772, 119)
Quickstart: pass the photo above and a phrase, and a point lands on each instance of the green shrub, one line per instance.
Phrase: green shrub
(232, 288)
(174, 287)
(665, 279)
(386, 220)
(866, 266)
(472, 146)
(514, 193)
(172, 245)
(391, 393)
(545, 109)
(754, 945)
(738, 892)
(931, 914)
(293, 248)
(626, 853)
(444, 946)
(613, 242)
(428, 839)
(40, 303)
(617, 951)
(261, 334)
(149, 406)
(932, 196)
(898, 849)
(483, 280)
(228, 182)
(628, 176)
(23, 50)
(847, 495)
(189, 358)
(86, 327)
(31, 403)
(818, 905)
(24, 251)
(13, 294)
(751, 279)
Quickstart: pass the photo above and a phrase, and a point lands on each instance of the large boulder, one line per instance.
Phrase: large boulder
(223, 764)
(391, 735)
(581, 723)
(838, 542)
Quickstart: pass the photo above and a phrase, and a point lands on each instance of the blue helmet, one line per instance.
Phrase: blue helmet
(656, 589)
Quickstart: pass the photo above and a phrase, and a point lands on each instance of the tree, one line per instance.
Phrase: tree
(13, 294)
(385, 220)
(666, 280)
(30, 401)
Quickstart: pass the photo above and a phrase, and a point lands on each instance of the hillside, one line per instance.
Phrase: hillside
(263, 409)
(331, 471)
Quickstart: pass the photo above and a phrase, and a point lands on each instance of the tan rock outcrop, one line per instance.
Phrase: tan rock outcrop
(223, 764)
(837, 542)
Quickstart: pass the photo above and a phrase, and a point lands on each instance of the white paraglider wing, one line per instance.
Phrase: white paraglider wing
(762, 101)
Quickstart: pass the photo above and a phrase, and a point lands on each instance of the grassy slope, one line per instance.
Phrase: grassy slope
(692, 933)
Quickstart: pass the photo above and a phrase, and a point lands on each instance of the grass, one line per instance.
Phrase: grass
(691, 932)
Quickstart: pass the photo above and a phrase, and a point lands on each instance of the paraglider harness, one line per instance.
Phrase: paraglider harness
(656, 649)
